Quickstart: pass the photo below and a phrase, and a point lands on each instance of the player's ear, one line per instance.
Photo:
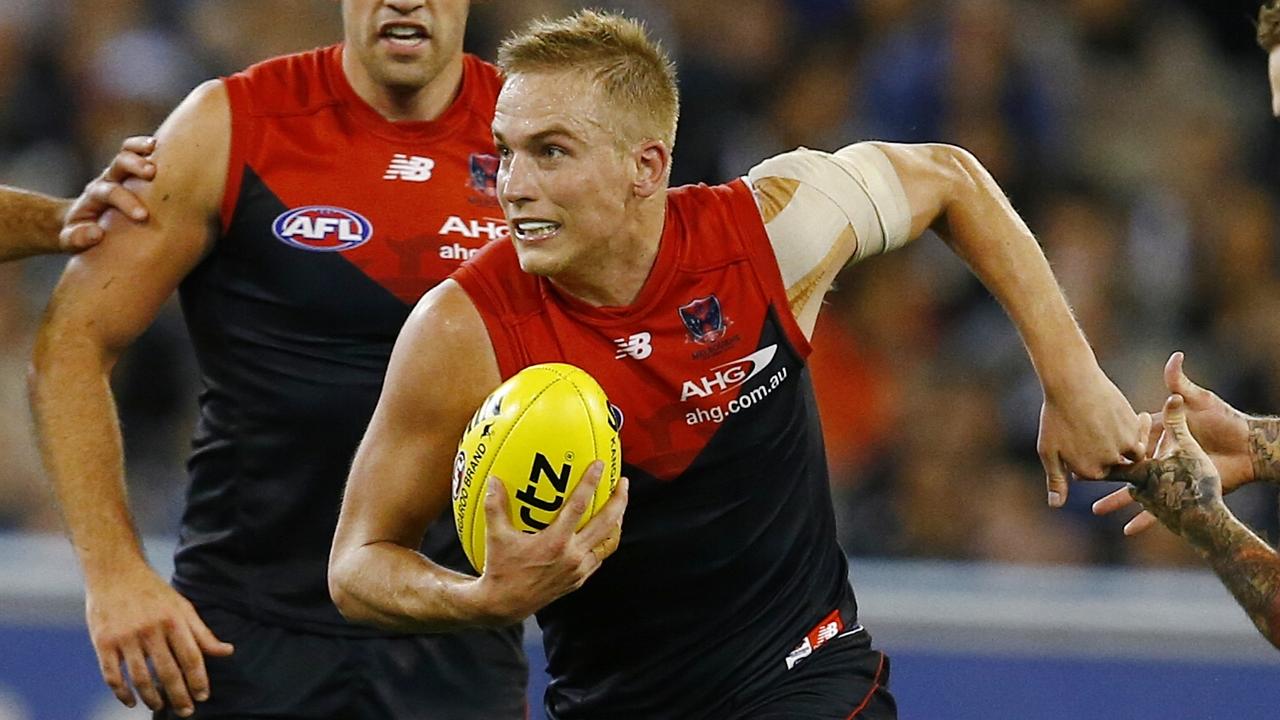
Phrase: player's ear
(653, 163)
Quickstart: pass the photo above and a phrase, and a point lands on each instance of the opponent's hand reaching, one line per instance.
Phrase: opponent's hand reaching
(135, 618)
(1221, 430)
(1179, 486)
(80, 229)
(1087, 429)
(525, 572)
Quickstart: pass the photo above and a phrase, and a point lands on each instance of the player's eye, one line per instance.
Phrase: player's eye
(553, 152)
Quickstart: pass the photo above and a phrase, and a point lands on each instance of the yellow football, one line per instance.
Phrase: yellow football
(537, 432)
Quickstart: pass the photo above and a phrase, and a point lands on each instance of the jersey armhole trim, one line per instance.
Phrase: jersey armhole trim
(764, 264)
(241, 130)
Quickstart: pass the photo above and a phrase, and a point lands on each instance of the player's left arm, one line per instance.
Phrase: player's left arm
(874, 197)
(1086, 424)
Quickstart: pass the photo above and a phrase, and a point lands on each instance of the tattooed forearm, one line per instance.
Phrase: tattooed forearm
(1181, 491)
(1264, 448)
(1247, 567)
(29, 223)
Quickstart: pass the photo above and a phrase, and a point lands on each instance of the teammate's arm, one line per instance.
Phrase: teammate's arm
(32, 223)
(29, 223)
(107, 296)
(442, 368)
(1181, 487)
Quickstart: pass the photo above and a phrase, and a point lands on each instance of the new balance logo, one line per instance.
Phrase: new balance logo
(412, 168)
(638, 346)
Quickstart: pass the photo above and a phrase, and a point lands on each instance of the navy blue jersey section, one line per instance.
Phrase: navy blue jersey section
(333, 223)
(292, 347)
(719, 575)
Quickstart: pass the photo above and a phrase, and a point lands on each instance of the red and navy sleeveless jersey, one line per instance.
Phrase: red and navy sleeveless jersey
(334, 222)
(728, 556)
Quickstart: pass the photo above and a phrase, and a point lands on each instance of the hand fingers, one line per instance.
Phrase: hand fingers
(1117, 500)
(168, 673)
(206, 641)
(80, 236)
(109, 661)
(497, 512)
(1175, 425)
(115, 195)
(1177, 381)
(182, 642)
(140, 144)
(1141, 522)
(140, 675)
(1154, 433)
(127, 165)
(580, 500)
(1138, 450)
(1055, 480)
(607, 524)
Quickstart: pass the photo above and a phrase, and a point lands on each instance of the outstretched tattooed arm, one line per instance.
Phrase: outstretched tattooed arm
(1183, 490)
(1264, 448)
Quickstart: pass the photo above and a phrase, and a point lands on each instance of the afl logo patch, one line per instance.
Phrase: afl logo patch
(321, 228)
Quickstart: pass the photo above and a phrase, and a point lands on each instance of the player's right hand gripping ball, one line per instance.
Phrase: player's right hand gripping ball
(537, 432)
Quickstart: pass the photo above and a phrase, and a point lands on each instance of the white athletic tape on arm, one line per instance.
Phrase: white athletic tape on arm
(810, 199)
(875, 174)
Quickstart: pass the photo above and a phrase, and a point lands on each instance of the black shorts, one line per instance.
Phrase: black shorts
(844, 680)
(281, 673)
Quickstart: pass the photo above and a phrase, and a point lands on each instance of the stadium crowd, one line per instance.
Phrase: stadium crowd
(1133, 135)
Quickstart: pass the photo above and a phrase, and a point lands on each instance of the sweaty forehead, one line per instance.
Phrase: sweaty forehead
(533, 103)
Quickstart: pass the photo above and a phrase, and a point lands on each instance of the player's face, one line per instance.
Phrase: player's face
(1273, 73)
(404, 45)
(566, 178)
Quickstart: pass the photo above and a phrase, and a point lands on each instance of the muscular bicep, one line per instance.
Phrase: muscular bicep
(442, 367)
(111, 293)
(929, 174)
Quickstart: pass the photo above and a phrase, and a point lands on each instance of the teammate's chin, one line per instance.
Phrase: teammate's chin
(397, 69)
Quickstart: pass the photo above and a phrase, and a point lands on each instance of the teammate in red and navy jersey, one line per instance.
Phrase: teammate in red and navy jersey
(301, 207)
(724, 595)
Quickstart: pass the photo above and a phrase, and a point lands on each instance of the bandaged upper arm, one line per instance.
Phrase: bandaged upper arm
(824, 210)
(858, 181)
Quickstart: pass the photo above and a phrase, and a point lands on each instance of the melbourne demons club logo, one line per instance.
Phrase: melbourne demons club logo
(484, 174)
(704, 319)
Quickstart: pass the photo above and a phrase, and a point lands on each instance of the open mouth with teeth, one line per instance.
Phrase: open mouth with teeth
(404, 35)
(535, 230)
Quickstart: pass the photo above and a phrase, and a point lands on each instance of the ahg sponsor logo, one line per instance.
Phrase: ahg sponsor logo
(729, 375)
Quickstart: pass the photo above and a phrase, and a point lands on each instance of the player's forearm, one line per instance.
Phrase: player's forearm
(1247, 567)
(393, 587)
(29, 223)
(982, 227)
(80, 441)
(1264, 448)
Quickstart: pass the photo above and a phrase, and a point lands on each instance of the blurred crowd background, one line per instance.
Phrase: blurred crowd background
(1133, 135)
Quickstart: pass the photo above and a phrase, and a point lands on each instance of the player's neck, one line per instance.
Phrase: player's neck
(616, 278)
(405, 105)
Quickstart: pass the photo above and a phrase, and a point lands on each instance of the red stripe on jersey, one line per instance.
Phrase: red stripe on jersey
(677, 359)
(424, 189)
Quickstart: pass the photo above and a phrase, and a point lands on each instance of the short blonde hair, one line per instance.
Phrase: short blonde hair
(1269, 25)
(632, 69)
